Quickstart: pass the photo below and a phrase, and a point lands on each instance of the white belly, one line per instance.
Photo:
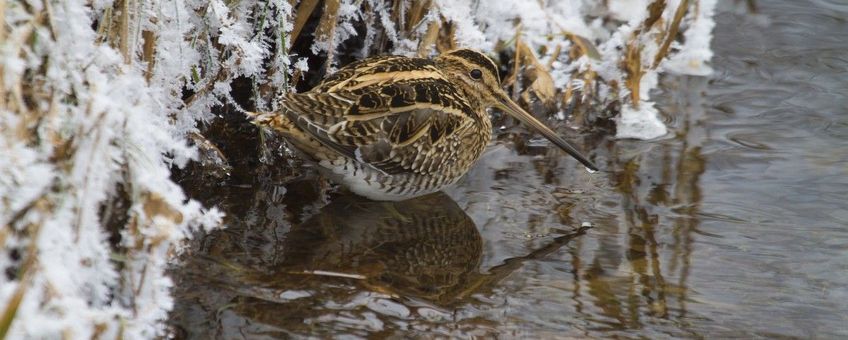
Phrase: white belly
(366, 181)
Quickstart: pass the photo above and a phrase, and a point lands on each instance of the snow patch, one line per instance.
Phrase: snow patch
(641, 123)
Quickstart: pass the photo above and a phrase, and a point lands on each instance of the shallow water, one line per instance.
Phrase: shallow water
(733, 225)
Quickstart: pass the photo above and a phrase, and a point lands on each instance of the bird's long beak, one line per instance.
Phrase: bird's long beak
(511, 108)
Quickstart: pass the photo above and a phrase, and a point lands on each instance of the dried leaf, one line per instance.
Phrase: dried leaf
(8, 315)
(447, 37)
(671, 33)
(3, 21)
(428, 41)
(148, 52)
(155, 205)
(124, 29)
(539, 83)
(633, 68)
(655, 10)
(304, 11)
(585, 46)
(416, 13)
(326, 31)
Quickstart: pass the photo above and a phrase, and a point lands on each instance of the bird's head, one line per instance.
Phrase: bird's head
(478, 78)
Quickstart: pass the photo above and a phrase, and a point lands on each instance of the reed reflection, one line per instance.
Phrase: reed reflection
(636, 275)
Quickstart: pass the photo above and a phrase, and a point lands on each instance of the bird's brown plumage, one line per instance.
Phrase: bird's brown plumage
(393, 127)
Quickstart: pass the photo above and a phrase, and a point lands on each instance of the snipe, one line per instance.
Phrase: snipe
(393, 127)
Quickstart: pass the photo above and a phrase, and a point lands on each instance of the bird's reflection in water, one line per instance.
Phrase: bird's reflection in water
(349, 260)
(425, 248)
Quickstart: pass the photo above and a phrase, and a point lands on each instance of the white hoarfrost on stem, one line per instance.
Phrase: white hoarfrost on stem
(561, 26)
(556, 25)
(694, 54)
(468, 32)
(92, 113)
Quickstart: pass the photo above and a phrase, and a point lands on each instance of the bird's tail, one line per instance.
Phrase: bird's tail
(273, 120)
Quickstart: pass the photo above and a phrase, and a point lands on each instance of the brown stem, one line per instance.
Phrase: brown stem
(672, 32)
(124, 31)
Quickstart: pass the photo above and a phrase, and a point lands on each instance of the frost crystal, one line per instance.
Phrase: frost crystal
(92, 114)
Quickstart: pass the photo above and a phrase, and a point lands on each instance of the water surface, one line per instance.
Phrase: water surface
(733, 225)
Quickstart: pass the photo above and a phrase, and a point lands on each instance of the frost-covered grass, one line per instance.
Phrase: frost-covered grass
(92, 121)
(604, 55)
(97, 99)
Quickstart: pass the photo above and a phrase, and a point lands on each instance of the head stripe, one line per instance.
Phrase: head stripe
(478, 59)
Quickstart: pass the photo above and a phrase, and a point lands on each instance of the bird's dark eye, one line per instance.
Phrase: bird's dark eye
(476, 74)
